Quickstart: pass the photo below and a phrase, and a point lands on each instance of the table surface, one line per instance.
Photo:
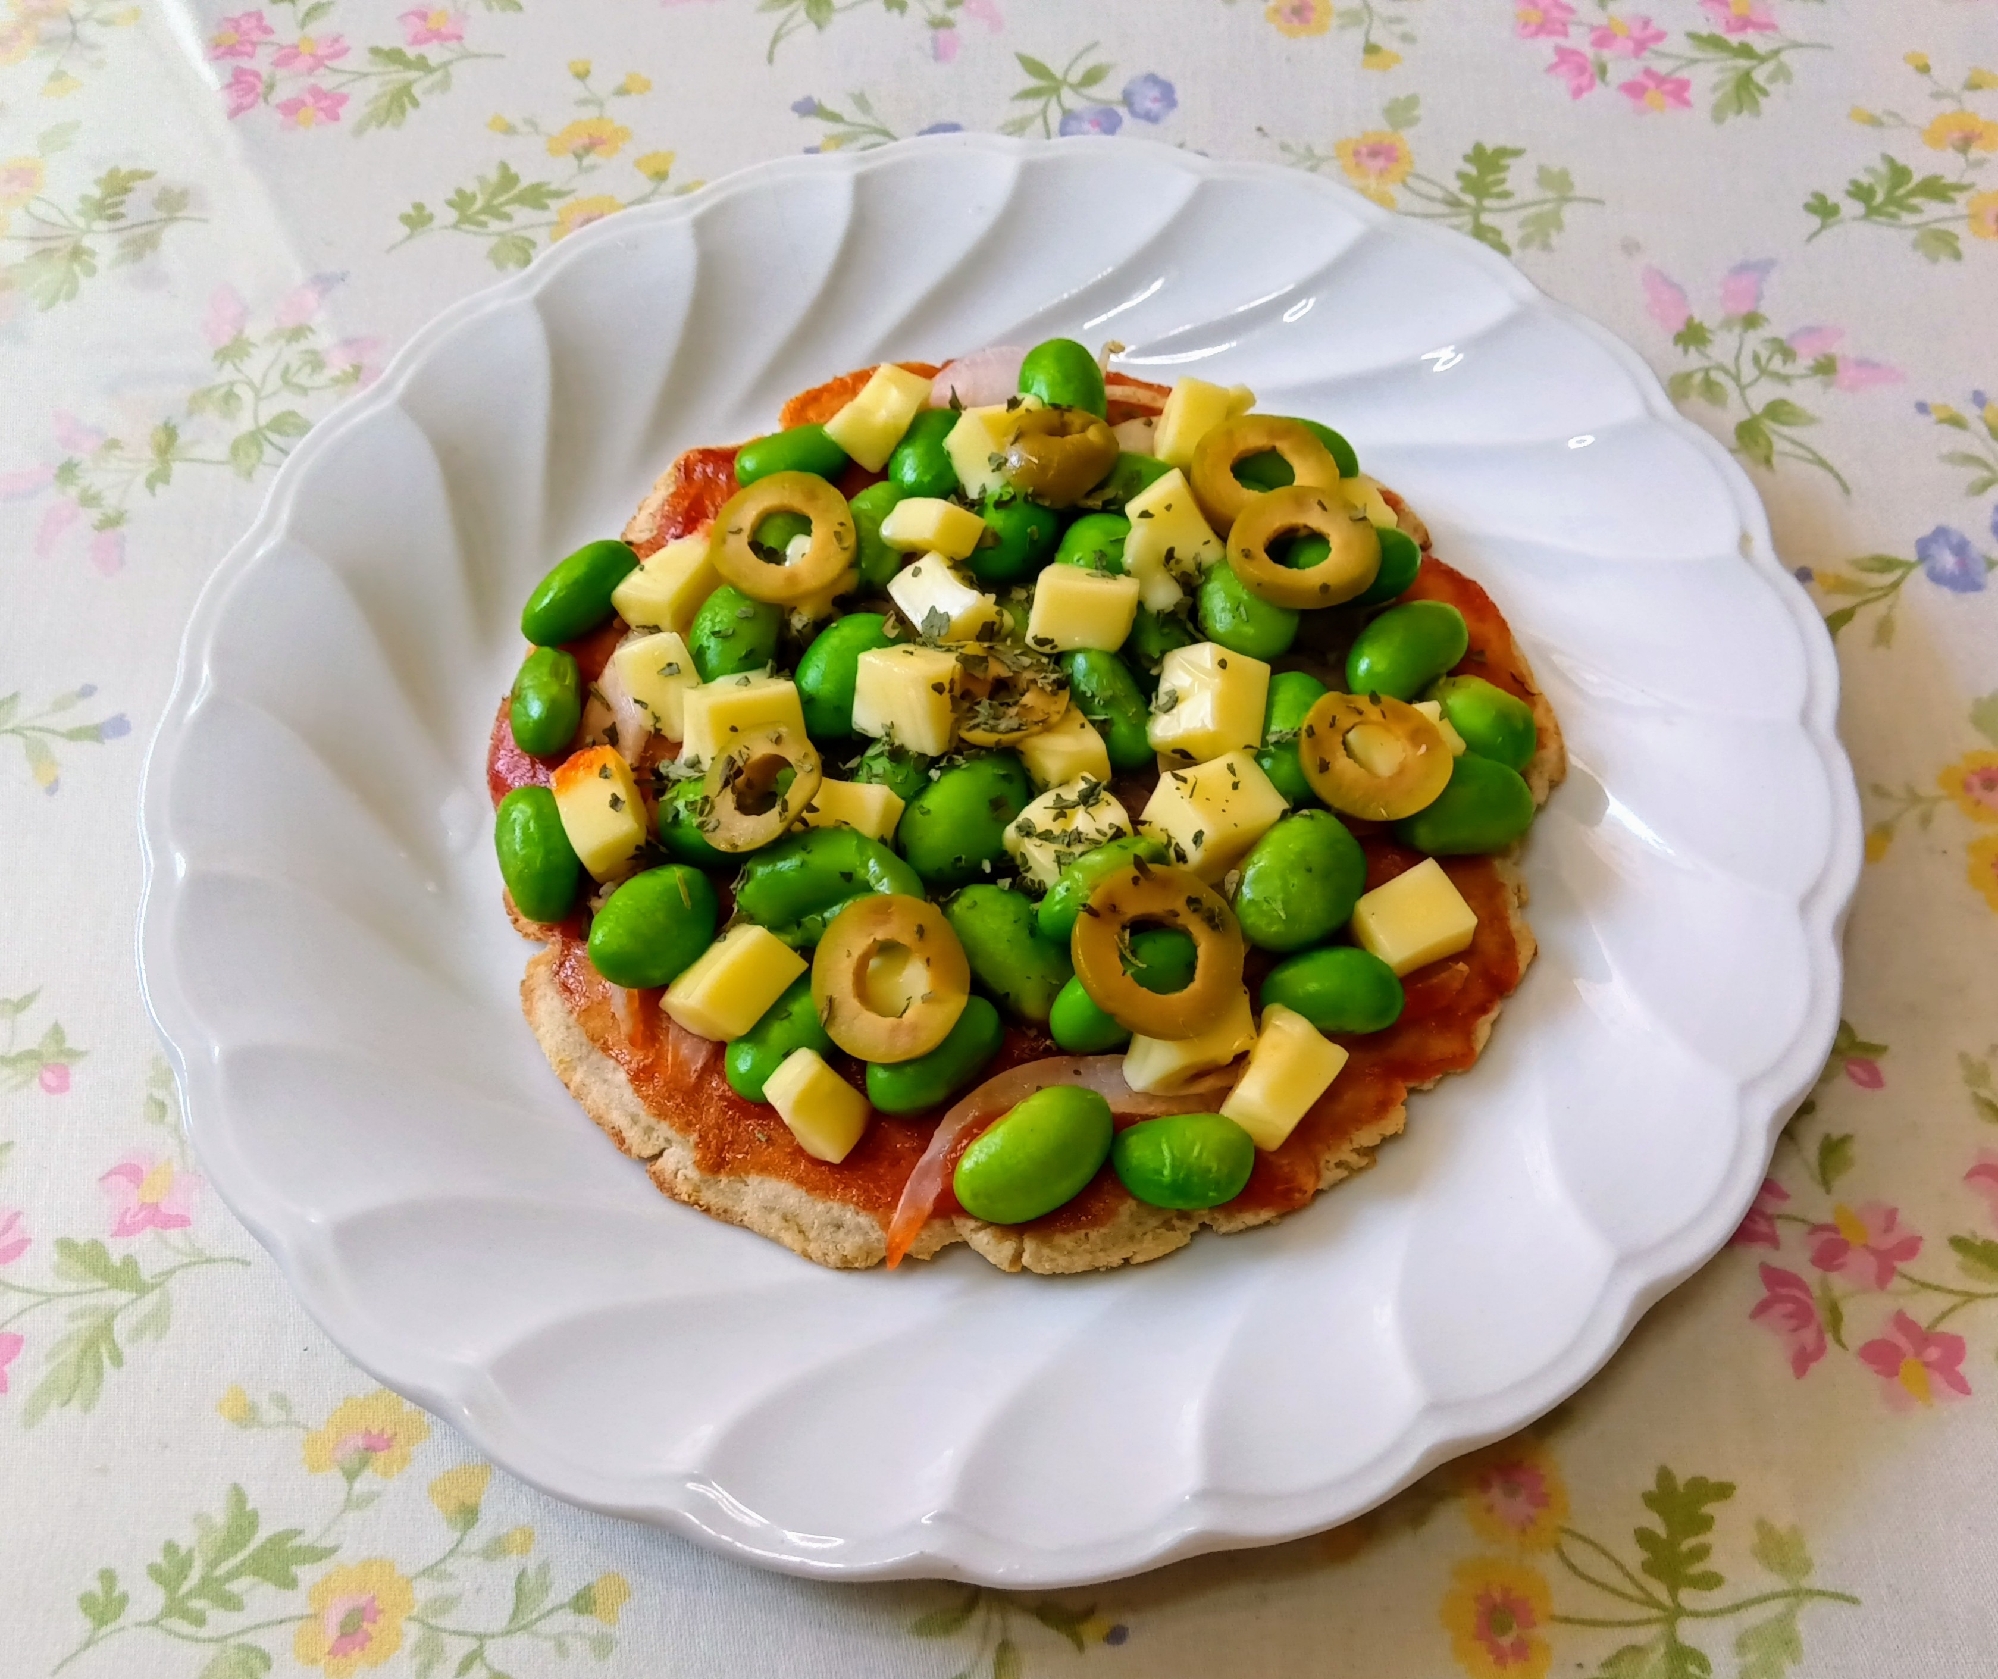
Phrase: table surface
(214, 225)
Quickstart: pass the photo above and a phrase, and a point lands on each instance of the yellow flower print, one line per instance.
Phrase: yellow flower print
(635, 83)
(1972, 782)
(20, 179)
(655, 166)
(1378, 57)
(1300, 17)
(1376, 161)
(580, 212)
(1917, 62)
(17, 40)
(1513, 1494)
(602, 1598)
(1962, 132)
(377, 1431)
(459, 1492)
(1984, 868)
(1877, 842)
(60, 86)
(1860, 114)
(234, 1406)
(499, 125)
(1494, 1613)
(580, 69)
(356, 1618)
(1984, 215)
(1981, 80)
(589, 136)
(516, 1541)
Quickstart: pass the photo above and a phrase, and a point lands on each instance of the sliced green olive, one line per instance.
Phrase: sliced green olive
(1352, 558)
(821, 571)
(1222, 496)
(1373, 757)
(1058, 455)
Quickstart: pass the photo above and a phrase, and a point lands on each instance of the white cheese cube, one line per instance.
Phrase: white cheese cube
(825, 1113)
(1159, 1066)
(658, 672)
(863, 805)
(1210, 816)
(1068, 751)
(1076, 608)
(926, 522)
(717, 714)
(1433, 710)
(939, 603)
(1193, 410)
(733, 982)
(1061, 825)
(601, 810)
(668, 587)
(978, 440)
(869, 427)
(1415, 919)
(903, 694)
(1209, 701)
(1135, 437)
(1292, 1065)
(1170, 543)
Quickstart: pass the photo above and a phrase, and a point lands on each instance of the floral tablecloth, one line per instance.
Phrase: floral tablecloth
(215, 224)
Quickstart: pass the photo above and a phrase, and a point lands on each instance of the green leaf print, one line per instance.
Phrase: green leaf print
(1769, 1649)
(237, 1661)
(1782, 1551)
(104, 1605)
(946, 1623)
(1977, 1256)
(1675, 1550)
(91, 1261)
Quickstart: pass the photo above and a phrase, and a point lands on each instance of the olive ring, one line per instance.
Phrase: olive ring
(1374, 757)
(1347, 570)
(822, 570)
(1166, 896)
(741, 805)
(855, 939)
(1222, 496)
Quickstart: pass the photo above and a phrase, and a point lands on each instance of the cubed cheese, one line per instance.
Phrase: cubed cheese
(657, 671)
(718, 714)
(1208, 817)
(903, 694)
(1292, 1065)
(732, 983)
(939, 603)
(825, 1113)
(1060, 825)
(1193, 410)
(869, 427)
(1068, 751)
(1075, 608)
(1209, 701)
(978, 440)
(864, 805)
(1159, 1066)
(1433, 710)
(1416, 918)
(1136, 437)
(1170, 543)
(668, 587)
(600, 809)
(925, 522)
(1363, 495)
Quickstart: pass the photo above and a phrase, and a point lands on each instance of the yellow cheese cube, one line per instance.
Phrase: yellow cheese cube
(668, 587)
(979, 438)
(1170, 543)
(1292, 1065)
(869, 427)
(925, 522)
(719, 713)
(939, 603)
(1193, 410)
(732, 982)
(1210, 701)
(863, 805)
(1159, 1066)
(1068, 751)
(1433, 710)
(657, 671)
(1416, 918)
(1208, 817)
(903, 694)
(601, 810)
(1061, 825)
(1077, 608)
(1363, 495)
(825, 1113)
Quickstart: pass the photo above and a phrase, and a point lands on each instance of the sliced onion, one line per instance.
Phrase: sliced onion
(1122, 388)
(979, 379)
(633, 721)
(688, 1054)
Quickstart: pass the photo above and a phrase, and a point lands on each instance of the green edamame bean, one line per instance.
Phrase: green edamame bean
(1406, 648)
(874, 560)
(1024, 535)
(1241, 621)
(1300, 882)
(1063, 374)
(1270, 471)
(828, 670)
(1485, 807)
(1095, 542)
(954, 831)
(789, 1024)
(1008, 956)
(1040, 1155)
(801, 449)
(653, 926)
(1401, 559)
(733, 633)
(680, 835)
(919, 466)
(1292, 694)
(575, 597)
(1103, 689)
(1064, 900)
(1079, 1026)
(1184, 1160)
(1492, 723)
(1152, 637)
(1161, 959)
(902, 772)
(797, 885)
(775, 532)
(536, 860)
(547, 702)
(1130, 477)
(908, 1087)
(1340, 988)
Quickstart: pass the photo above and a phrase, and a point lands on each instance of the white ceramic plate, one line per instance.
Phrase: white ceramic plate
(324, 948)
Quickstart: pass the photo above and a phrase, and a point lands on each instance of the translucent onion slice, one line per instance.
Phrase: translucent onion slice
(980, 379)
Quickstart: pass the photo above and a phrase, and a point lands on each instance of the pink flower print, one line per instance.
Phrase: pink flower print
(54, 1078)
(301, 303)
(74, 435)
(310, 54)
(1649, 91)
(1789, 1311)
(1857, 373)
(1626, 37)
(364, 353)
(1864, 1244)
(107, 559)
(1983, 1179)
(14, 1241)
(1758, 1227)
(10, 1349)
(148, 1192)
(1862, 1070)
(1918, 1366)
(243, 91)
(1535, 19)
(227, 314)
(28, 481)
(1811, 342)
(1665, 301)
(943, 45)
(60, 516)
(987, 13)
(1741, 286)
(312, 107)
(1576, 70)
(239, 36)
(1739, 17)
(425, 26)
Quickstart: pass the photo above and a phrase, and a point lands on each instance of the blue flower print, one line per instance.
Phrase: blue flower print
(1093, 119)
(1150, 98)
(1950, 561)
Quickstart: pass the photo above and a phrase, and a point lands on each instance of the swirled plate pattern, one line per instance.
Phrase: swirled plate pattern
(324, 950)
